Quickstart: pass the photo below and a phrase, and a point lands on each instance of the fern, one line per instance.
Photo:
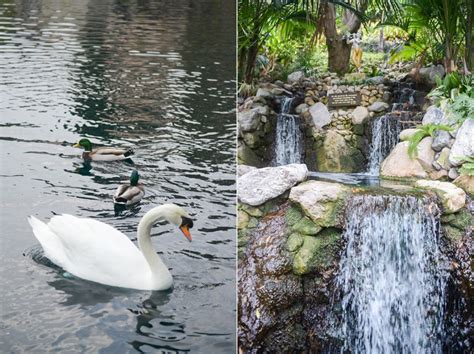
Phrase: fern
(467, 168)
(423, 131)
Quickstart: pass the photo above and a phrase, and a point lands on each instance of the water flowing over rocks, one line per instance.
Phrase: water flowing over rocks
(260, 185)
(452, 197)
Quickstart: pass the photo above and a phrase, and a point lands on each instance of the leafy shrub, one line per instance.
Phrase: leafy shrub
(423, 131)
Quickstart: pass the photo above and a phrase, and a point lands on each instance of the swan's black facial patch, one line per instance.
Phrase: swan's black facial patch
(186, 222)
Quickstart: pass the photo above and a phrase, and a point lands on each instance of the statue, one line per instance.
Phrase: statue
(356, 53)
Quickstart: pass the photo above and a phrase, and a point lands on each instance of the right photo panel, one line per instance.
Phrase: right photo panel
(355, 178)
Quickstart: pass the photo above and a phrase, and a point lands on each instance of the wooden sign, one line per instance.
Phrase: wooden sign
(346, 99)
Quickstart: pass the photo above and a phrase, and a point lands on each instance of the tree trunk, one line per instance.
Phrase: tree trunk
(250, 62)
(469, 55)
(339, 51)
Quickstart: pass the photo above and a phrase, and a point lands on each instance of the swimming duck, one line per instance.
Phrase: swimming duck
(95, 251)
(132, 193)
(103, 153)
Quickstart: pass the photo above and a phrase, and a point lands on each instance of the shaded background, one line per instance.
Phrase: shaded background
(157, 76)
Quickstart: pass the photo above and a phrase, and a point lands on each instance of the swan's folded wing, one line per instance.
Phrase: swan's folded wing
(96, 251)
(52, 246)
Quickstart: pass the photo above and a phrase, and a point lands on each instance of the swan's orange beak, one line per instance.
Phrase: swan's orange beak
(185, 231)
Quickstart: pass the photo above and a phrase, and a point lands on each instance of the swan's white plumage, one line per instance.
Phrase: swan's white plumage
(95, 251)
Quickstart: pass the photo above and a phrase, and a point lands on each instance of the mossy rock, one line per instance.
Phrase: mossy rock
(252, 211)
(317, 253)
(294, 242)
(253, 222)
(306, 227)
(242, 238)
(293, 215)
(461, 220)
(453, 234)
(242, 219)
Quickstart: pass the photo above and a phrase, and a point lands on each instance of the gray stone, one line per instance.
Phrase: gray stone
(260, 185)
(465, 182)
(378, 106)
(463, 146)
(320, 115)
(425, 154)
(359, 115)
(430, 73)
(295, 77)
(406, 134)
(453, 173)
(248, 120)
(434, 115)
(441, 139)
(243, 169)
(301, 108)
(376, 80)
(262, 92)
(442, 159)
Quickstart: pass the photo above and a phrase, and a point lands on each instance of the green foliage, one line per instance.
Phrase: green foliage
(461, 108)
(467, 167)
(247, 90)
(453, 85)
(423, 131)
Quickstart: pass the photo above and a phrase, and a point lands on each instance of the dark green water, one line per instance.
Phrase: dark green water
(157, 76)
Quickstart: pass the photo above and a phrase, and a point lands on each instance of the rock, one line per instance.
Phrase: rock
(242, 220)
(294, 242)
(354, 77)
(438, 174)
(464, 144)
(429, 74)
(399, 164)
(252, 211)
(295, 77)
(252, 139)
(406, 134)
(378, 106)
(320, 201)
(465, 182)
(306, 227)
(433, 115)
(301, 108)
(264, 93)
(452, 197)
(246, 156)
(453, 173)
(359, 115)
(317, 253)
(376, 80)
(248, 120)
(320, 115)
(440, 140)
(336, 155)
(243, 169)
(387, 95)
(258, 186)
(442, 159)
(425, 154)
(278, 91)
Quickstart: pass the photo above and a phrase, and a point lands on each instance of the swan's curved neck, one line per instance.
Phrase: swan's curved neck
(157, 266)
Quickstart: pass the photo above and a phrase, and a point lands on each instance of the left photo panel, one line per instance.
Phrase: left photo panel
(117, 176)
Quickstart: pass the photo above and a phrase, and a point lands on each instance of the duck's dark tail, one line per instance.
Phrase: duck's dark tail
(119, 200)
(128, 153)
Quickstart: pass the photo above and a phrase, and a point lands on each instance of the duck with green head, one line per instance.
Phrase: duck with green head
(102, 153)
(128, 194)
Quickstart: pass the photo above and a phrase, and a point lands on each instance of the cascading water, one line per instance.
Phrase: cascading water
(391, 276)
(385, 132)
(288, 145)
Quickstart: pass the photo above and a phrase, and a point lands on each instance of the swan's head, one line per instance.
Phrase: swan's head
(84, 143)
(178, 216)
(134, 177)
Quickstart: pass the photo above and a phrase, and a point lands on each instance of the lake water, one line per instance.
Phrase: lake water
(157, 76)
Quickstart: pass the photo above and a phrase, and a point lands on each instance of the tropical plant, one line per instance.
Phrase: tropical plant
(422, 132)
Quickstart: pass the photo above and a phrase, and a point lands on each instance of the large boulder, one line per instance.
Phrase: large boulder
(258, 186)
(378, 107)
(243, 169)
(440, 140)
(321, 201)
(430, 73)
(295, 77)
(434, 115)
(452, 197)
(359, 115)
(465, 182)
(248, 120)
(320, 115)
(246, 156)
(264, 93)
(425, 154)
(464, 144)
(337, 155)
(406, 134)
(399, 164)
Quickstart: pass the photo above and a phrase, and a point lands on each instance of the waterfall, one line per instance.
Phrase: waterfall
(385, 132)
(288, 145)
(391, 276)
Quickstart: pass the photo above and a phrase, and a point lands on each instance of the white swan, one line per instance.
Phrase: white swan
(92, 250)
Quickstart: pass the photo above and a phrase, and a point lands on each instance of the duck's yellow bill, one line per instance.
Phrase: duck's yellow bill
(185, 231)
(76, 145)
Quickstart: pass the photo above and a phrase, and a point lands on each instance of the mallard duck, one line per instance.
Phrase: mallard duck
(132, 193)
(103, 153)
(95, 251)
